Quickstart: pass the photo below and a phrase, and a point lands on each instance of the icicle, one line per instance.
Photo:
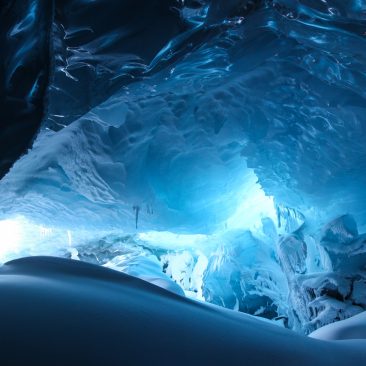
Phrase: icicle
(137, 210)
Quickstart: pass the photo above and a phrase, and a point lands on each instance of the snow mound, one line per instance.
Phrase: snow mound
(351, 328)
(62, 312)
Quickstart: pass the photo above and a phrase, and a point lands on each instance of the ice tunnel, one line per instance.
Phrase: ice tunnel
(213, 148)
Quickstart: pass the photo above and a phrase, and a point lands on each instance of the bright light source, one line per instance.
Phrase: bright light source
(19, 236)
(254, 206)
(10, 236)
(171, 240)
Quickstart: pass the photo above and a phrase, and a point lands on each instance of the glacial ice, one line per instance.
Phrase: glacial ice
(216, 149)
(88, 314)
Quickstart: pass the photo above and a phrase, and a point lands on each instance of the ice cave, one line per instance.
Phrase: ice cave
(183, 182)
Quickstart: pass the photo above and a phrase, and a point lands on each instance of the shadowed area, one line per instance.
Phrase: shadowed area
(24, 74)
(63, 312)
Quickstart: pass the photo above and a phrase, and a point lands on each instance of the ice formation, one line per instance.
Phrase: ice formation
(215, 148)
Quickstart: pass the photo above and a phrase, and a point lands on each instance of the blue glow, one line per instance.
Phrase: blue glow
(214, 147)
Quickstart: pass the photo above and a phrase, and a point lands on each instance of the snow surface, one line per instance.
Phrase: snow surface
(351, 328)
(100, 316)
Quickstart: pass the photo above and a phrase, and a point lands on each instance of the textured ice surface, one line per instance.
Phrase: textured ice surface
(223, 141)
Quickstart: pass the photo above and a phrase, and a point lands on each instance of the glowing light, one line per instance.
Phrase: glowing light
(166, 239)
(255, 206)
(21, 237)
(10, 236)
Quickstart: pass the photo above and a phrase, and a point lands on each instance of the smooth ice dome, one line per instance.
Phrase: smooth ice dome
(101, 316)
(213, 148)
(352, 328)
